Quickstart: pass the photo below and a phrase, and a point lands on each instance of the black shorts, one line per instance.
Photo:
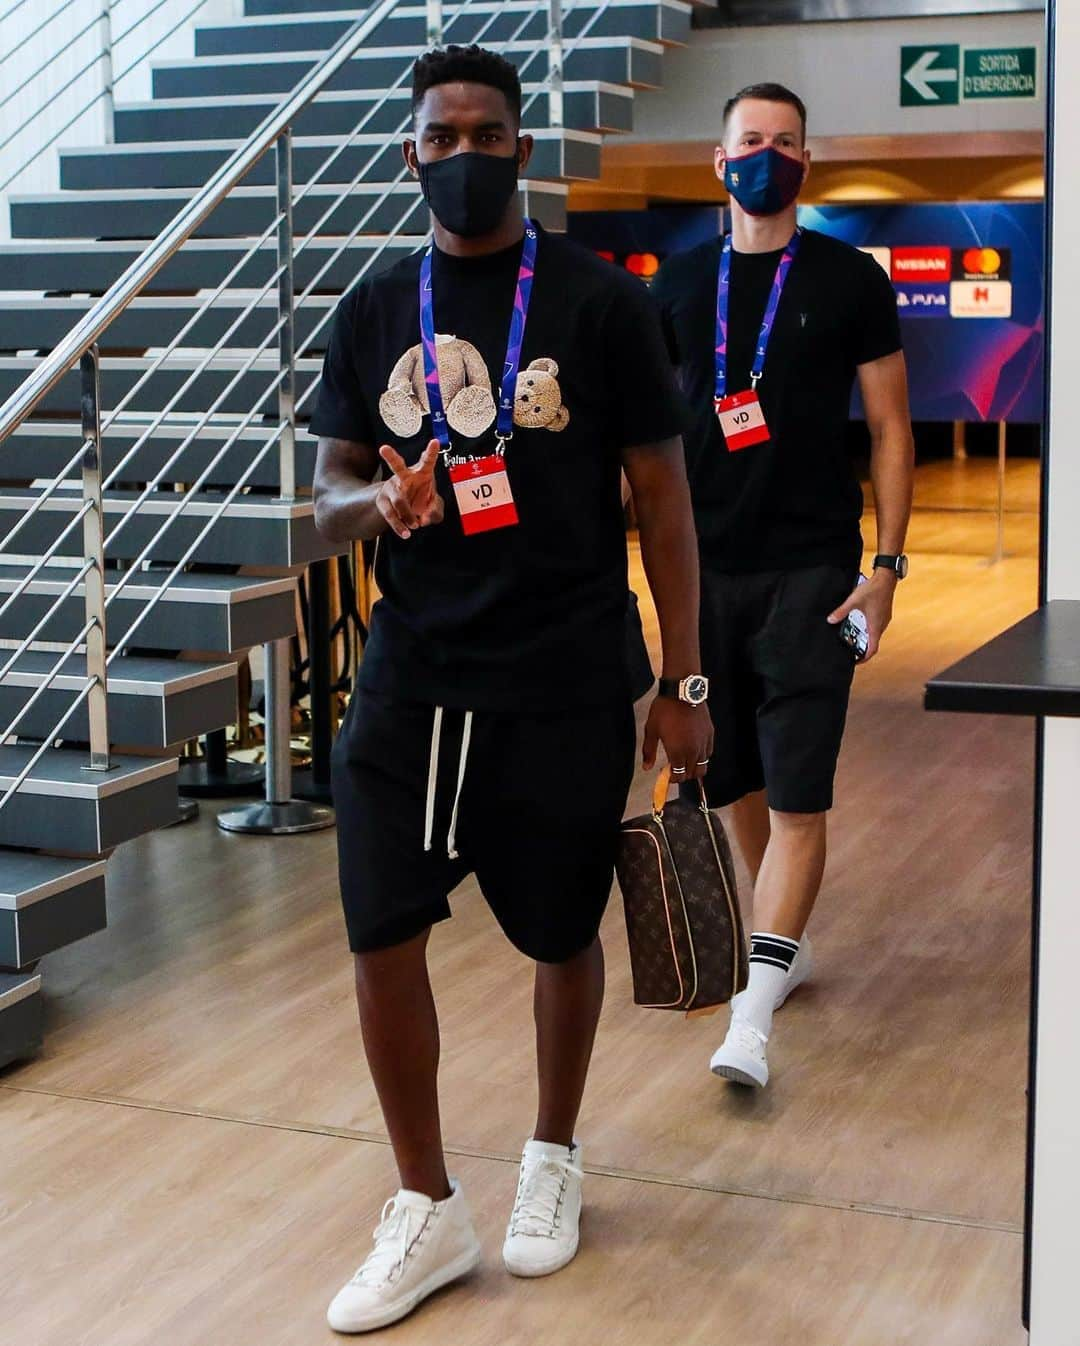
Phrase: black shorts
(780, 683)
(538, 819)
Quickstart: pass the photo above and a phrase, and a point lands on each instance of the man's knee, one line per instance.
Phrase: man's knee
(797, 824)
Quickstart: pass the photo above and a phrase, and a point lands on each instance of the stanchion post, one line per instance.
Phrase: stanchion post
(278, 722)
(999, 544)
(279, 814)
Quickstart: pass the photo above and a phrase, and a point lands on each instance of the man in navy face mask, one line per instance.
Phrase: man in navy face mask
(770, 326)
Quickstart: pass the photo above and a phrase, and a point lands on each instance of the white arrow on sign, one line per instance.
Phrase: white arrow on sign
(922, 78)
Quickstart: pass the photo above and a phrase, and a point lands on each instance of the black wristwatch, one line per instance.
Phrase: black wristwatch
(692, 691)
(897, 564)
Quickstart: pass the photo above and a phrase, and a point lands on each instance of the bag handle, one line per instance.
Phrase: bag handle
(663, 785)
(660, 790)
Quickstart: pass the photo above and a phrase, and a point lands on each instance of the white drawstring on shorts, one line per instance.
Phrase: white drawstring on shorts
(433, 783)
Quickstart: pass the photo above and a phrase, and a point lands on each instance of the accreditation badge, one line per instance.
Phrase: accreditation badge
(742, 420)
(484, 498)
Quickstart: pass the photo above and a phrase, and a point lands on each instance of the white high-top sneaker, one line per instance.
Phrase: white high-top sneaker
(741, 1057)
(542, 1236)
(420, 1246)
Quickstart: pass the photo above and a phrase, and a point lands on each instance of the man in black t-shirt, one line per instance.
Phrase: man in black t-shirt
(769, 329)
(510, 377)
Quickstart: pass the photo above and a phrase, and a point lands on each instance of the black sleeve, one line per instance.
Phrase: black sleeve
(340, 409)
(663, 295)
(645, 404)
(877, 329)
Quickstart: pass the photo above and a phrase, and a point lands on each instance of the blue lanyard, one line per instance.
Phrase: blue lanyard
(504, 426)
(723, 294)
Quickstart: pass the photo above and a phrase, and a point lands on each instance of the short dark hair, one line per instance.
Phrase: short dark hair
(768, 93)
(471, 65)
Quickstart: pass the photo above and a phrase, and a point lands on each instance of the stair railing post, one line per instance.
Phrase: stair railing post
(108, 93)
(286, 318)
(94, 554)
(555, 63)
(434, 23)
(279, 814)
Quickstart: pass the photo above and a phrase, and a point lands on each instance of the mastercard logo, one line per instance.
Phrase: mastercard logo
(644, 264)
(982, 261)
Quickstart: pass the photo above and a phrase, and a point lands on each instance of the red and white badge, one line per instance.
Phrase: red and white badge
(742, 421)
(484, 498)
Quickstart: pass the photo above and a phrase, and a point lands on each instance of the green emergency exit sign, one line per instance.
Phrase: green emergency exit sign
(929, 76)
(946, 73)
(999, 72)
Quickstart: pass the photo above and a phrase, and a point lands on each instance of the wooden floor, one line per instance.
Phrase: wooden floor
(198, 1157)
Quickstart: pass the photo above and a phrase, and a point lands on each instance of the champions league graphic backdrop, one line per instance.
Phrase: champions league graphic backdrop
(968, 279)
(969, 283)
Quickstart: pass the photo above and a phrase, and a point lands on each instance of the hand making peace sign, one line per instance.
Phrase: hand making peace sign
(409, 499)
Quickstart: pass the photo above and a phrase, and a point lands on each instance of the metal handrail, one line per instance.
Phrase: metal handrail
(135, 279)
(275, 129)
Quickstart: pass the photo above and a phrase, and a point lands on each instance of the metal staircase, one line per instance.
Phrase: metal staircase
(162, 322)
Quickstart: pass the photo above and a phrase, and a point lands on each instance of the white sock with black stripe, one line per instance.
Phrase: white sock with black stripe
(771, 957)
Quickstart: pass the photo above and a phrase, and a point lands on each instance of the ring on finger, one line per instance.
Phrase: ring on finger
(705, 763)
(678, 771)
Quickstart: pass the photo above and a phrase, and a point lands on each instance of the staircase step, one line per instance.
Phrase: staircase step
(253, 530)
(45, 448)
(153, 703)
(119, 374)
(77, 267)
(111, 213)
(587, 106)
(485, 21)
(20, 1016)
(118, 213)
(191, 163)
(62, 803)
(226, 613)
(46, 903)
(37, 324)
(296, 6)
(617, 60)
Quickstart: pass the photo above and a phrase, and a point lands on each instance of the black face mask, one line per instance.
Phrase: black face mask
(468, 193)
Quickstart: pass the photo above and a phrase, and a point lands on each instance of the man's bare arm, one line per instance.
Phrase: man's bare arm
(883, 384)
(353, 504)
(657, 477)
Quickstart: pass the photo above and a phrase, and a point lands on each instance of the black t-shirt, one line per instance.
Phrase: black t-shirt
(521, 617)
(794, 501)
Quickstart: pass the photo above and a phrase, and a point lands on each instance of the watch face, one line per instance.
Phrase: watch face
(902, 567)
(697, 689)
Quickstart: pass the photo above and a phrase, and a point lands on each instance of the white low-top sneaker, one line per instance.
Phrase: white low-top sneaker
(420, 1246)
(542, 1236)
(802, 969)
(741, 1059)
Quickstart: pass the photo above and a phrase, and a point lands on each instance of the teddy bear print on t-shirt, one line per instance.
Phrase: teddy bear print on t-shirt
(467, 395)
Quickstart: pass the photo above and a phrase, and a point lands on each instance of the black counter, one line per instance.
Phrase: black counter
(1033, 668)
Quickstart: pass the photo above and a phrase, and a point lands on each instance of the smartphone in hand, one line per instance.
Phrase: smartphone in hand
(855, 631)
